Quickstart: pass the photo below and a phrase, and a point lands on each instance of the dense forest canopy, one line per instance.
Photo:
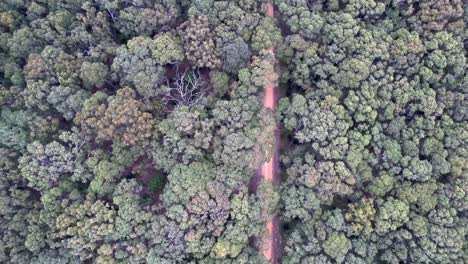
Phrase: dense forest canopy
(131, 131)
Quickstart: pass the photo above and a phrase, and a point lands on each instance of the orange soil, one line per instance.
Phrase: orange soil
(268, 168)
(268, 252)
(269, 99)
(270, 10)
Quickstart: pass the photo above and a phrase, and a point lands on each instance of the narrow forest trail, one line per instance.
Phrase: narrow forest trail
(269, 170)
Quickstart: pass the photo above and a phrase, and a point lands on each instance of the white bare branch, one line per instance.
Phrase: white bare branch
(187, 89)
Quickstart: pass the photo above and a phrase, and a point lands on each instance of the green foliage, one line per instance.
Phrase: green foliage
(22, 43)
(367, 85)
(14, 132)
(137, 66)
(99, 97)
(362, 215)
(199, 44)
(220, 82)
(336, 246)
(156, 183)
(94, 74)
(143, 18)
(229, 19)
(299, 202)
(166, 48)
(224, 248)
(266, 35)
(44, 166)
(121, 118)
(235, 56)
(268, 197)
(86, 227)
(392, 215)
(421, 196)
(53, 81)
(263, 71)
(382, 185)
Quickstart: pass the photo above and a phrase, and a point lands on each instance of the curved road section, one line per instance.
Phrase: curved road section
(269, 168)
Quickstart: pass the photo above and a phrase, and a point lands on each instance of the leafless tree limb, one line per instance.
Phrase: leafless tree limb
(187, 89)
(111, 14)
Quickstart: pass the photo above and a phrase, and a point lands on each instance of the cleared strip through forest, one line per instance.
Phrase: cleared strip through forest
(269, 168)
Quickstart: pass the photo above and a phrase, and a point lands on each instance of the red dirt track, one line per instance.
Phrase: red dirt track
(269, 169)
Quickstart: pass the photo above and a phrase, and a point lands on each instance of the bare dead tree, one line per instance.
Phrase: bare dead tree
(188, 88)
(111, 14)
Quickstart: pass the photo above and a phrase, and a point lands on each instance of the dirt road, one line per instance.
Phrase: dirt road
(269, 168)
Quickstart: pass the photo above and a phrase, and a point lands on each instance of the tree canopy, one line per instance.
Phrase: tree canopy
(134, 132)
